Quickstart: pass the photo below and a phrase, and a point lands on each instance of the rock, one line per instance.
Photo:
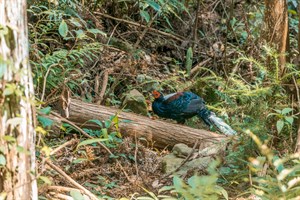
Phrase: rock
(212, 150)
(179, 153)
(199, 163)
(136, 102)
(181, 150)
(170, 162)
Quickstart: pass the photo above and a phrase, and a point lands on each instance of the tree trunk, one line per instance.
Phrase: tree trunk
(17, 136)
(276, 20)
(157, 132)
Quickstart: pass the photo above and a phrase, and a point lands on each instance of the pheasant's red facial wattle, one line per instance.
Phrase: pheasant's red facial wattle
(156, 94)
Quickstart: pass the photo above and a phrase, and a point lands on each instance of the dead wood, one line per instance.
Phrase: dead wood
(158, 133)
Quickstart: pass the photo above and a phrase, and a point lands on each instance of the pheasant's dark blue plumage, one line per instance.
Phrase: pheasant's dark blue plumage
(183, 105)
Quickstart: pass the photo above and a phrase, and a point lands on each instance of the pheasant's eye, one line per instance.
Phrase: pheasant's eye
(156, 94)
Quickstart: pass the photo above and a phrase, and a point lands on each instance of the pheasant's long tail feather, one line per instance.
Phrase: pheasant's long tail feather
(221, 125)
(211, 119)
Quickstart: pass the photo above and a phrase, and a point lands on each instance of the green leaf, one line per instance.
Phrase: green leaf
(21, 149)
(278, 163)
(97, 31)
(80, 34)
(165, 188)
(105, 133)
(286, 110)
(8, 91)
(90, 141)
(279, 125)
(224, 193)
(178, 183)
(9, 138)
(107, 123)
(76, 195)
(79, 160)
(3, 195)
(290, 120)
(3, 68)
(96, 121)
(46, 110)
(46, 122)
(278, 111)
(46, 180)
(144, 14)
(63, 28)
(75, 22)
(189, 61)
(153, 4)
(2, 160)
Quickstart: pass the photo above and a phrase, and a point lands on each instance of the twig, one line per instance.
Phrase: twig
(62, 146)
(195, 28)
(72, 181)
(45, 81)
(53, 152)
(199, 65)
(88, 136)
(141, 37)
(184, 161)
(104, 86)
(112, 33)
(61, 188)
(60, 196)
(135, 156)
(297, 146)
(175, 37)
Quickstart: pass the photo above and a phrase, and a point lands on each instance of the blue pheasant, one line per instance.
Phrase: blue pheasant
(183, 105)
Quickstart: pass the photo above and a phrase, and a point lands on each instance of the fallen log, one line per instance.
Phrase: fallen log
(157, 132)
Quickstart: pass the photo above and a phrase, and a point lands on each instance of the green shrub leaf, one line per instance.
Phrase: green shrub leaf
(76, 195)
(286, 110)
(46, 122)
(290, 120)
(46, 110)
(90, 141)
(279, 125)
(63, 28)
(2, 160)
(144, 14)
(153, 4)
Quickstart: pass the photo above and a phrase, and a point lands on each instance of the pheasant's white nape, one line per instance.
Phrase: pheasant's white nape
(169, 95)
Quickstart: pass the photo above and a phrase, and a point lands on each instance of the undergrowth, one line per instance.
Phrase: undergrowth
(250, 93)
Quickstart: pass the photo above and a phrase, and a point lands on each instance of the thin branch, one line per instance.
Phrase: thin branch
(104, 86)
(72, 181)
(184, 161)
(62, 119)
(297, 146)
(199, 65)
(175, 37)
(141, 37)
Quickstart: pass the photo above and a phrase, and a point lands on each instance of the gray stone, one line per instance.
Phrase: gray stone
(199, 163)
(179, 153)
(136, 102)
(212, 150)
(181, 150)
(170, 162)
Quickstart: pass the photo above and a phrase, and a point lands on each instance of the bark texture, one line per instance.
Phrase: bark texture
(17, 136)
(276, 20)
(157, 132)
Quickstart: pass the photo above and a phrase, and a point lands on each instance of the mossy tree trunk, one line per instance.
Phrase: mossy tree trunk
(276, 35)
(17, 135)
